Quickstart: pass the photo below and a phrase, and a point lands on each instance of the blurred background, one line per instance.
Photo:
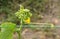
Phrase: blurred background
(43, 10)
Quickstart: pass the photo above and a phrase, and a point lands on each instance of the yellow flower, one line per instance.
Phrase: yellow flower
(27, 20)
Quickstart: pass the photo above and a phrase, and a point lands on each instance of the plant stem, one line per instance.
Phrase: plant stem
(21, 24)
(19, 33)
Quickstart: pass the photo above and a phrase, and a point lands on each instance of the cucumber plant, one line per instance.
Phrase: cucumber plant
(24, 16)
(8, 28)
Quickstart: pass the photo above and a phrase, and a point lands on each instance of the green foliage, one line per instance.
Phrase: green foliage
(23, 14)
(7, 30)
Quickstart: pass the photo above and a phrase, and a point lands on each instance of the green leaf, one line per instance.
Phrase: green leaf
(7, 30)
